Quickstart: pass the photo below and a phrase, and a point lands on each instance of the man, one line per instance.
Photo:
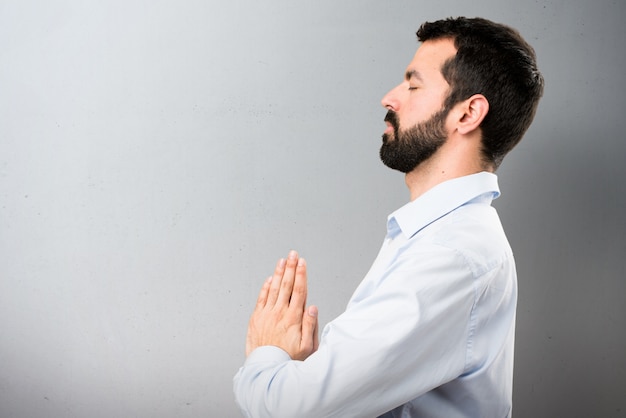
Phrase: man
(429, 331)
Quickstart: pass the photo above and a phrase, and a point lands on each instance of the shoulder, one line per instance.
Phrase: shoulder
(472, 235)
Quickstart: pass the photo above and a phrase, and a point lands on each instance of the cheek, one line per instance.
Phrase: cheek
(420, 109)
(412, 115)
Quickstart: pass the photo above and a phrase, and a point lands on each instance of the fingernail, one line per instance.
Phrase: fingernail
(313, 311)
(292, 254)
(281, 263)
(301, 262)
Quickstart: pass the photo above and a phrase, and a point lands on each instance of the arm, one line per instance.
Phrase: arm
(404, 339)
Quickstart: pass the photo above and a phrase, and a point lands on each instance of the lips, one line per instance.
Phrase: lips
(391, 119)
(389, 128)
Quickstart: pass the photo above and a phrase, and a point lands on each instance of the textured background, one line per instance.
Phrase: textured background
(157, 157)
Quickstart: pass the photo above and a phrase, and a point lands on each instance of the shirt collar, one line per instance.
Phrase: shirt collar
(442, 199)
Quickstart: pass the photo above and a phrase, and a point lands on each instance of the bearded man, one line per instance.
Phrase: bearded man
(429, 332)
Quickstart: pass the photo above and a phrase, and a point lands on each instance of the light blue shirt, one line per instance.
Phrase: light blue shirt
(429, 332)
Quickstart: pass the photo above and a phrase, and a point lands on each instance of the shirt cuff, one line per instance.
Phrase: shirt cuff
(267, 354)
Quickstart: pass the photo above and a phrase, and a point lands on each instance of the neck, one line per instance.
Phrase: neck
(449, 162)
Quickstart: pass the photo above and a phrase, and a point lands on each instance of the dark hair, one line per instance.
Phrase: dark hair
(495, 61)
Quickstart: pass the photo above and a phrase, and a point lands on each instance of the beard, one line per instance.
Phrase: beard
(405, 150)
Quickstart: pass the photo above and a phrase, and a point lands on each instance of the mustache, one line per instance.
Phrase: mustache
(392, 118)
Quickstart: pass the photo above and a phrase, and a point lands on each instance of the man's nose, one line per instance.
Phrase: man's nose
(390, 100)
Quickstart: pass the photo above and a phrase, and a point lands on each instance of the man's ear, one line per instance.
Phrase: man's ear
(472, 112)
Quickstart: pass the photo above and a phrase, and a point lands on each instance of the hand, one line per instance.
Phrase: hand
(280, 318)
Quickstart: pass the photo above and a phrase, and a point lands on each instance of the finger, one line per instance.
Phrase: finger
(316, 332)
(299, 291)
(275, 282)
(286, 285)
(309, 340)
(262, 299)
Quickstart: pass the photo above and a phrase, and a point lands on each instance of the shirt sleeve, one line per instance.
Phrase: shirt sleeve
(408, 336)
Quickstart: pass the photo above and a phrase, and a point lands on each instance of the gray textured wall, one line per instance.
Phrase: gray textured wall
(156, 158)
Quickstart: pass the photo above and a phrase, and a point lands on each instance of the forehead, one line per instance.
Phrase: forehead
(430, 57)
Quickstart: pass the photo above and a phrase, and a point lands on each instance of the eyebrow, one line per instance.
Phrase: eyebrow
(412, 74)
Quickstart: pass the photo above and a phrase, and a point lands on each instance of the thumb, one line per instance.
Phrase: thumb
(309, 341)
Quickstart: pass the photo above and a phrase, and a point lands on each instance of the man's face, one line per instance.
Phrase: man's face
(416, 122)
